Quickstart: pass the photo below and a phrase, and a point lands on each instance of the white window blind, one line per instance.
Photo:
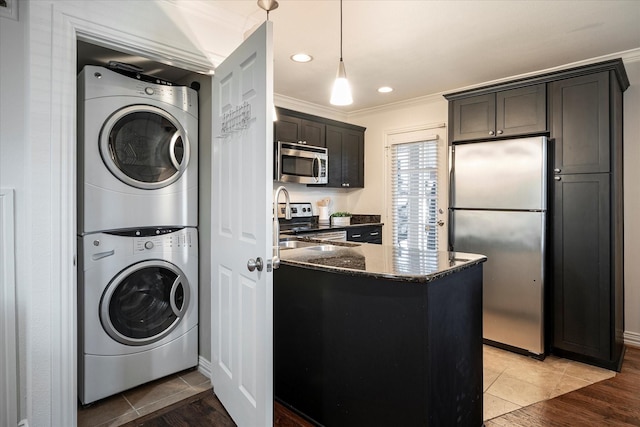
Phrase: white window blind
(414, 188)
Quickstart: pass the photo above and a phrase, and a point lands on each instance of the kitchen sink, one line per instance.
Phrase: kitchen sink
(324, 248)
(293, 244)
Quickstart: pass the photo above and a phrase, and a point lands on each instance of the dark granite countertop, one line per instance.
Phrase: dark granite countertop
(390, 262)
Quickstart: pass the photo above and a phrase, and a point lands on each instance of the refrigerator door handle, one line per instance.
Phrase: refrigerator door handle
(450, 231)
(452, 176)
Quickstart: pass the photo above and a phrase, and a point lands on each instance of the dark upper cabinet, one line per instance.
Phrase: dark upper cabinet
(507, 113)
(580, 124)
(295, 129)
(344, 141)
(346, 157)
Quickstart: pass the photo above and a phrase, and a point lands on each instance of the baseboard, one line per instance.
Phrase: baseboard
(632, 339)
(204, 366)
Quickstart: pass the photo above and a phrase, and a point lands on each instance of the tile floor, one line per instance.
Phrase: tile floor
(511, 381)
(122, 408)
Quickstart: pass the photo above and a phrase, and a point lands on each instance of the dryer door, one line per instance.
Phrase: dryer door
(144, 147)
(144, 302)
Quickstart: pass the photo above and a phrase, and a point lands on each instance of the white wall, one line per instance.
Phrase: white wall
(632, 201)
(13, 145)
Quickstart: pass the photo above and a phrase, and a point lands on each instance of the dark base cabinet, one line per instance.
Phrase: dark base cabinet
(365, 351)
(365, 234)
(584, 304)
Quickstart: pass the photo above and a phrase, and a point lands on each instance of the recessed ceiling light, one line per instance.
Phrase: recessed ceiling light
(301, 57)
(385, 89)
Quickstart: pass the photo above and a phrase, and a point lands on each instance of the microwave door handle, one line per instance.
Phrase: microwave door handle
(315, 159)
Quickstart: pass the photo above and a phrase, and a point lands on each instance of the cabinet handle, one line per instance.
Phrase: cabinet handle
(373, 233)
(500, 132)
(557, 170)
(491, 132)
(346, 184)
(557, 178)
(355, 236)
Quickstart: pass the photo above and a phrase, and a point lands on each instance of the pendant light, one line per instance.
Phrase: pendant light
(341, 93)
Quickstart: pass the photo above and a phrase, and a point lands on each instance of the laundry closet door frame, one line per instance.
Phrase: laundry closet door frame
(55, 28)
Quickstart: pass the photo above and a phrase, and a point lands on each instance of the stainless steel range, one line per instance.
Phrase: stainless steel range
(304, 224)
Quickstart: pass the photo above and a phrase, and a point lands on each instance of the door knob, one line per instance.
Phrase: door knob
(255, 264)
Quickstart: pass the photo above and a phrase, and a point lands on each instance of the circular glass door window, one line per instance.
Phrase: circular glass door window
(144, 302)
(144, 147)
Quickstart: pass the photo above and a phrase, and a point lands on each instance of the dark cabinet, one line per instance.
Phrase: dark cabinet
(344, 141)
(295, 129)
(346, 157)
(365, 234)
(360, 350)
(584, 303)
(519, 111)
(580, 124)
(587, 233)
(582, 265)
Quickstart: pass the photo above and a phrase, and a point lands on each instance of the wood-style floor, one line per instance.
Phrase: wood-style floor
(612, 402)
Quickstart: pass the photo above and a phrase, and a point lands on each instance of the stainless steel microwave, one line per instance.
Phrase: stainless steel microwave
(301, 163)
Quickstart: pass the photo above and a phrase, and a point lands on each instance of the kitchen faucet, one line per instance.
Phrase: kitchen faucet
(276, 222)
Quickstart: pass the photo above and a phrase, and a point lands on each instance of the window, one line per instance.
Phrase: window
(414, 194)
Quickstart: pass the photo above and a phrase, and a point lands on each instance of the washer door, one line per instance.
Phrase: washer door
(144, 302)
(144, 147)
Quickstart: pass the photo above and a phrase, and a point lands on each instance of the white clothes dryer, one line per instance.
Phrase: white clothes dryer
(137, 308)
(137, 153)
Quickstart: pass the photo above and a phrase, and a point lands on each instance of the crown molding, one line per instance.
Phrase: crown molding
(628, 56)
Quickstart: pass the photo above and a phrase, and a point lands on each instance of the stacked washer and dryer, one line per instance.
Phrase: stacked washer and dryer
(137, 235)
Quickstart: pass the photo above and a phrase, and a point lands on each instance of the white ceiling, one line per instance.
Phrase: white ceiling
(426, 47)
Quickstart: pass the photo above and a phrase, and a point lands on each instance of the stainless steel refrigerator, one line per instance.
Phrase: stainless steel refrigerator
(498, 209)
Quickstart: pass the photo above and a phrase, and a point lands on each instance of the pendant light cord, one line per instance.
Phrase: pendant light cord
(340, 30)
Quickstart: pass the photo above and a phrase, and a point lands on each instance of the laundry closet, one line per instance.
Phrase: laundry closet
(138, 230)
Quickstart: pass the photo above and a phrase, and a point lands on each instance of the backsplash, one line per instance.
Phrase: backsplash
(365, 219)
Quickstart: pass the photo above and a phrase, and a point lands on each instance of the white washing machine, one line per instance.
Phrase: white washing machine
(138, 308)
(137, 153)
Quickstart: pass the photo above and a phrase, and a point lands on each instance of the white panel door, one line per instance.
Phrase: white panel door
(427, 133)
(242, 300)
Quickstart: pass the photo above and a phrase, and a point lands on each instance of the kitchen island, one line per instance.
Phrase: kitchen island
(379, 335)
